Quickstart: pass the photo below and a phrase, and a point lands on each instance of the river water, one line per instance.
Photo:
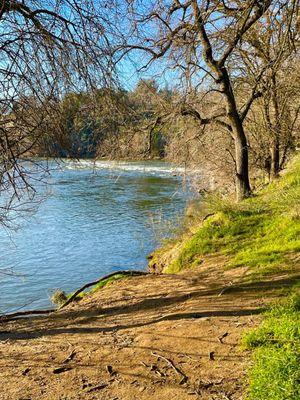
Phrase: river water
(97, 218)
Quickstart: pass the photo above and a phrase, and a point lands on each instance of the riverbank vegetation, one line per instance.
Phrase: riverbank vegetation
(261, 234)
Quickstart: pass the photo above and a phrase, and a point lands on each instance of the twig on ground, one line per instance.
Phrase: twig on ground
(98, 387)
(220, 338)
(59, 370)
(207, 216)
(70, 357)
(171, 364)
(225, 289)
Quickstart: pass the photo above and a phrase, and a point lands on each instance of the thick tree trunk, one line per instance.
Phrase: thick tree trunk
(275, 160)
(274, 149)
(150, 143)
(242, 185)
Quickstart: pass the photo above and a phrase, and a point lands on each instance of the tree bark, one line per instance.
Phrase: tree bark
(218, 67)
(242, 185)
(274, 149)
(275, 159)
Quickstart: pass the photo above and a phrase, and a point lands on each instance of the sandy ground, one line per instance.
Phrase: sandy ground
(149, 337)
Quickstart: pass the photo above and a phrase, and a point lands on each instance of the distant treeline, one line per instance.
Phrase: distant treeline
(105, 123)
(149, 122)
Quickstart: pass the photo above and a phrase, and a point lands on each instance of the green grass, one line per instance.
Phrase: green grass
(107, 282)
(261, 233)
(275, 372)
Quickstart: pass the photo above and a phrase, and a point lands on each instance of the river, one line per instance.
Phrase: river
(96, 218)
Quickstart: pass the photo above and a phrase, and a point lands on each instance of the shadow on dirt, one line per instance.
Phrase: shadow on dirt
(221, 301)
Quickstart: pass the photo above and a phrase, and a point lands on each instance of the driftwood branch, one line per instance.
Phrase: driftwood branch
(7, 317)
(87, 285)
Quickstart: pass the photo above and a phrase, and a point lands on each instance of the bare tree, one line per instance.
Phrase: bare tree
(46, 49)
(198, 42)
(274, 48)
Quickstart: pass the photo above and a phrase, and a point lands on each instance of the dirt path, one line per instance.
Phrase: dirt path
(151, 337)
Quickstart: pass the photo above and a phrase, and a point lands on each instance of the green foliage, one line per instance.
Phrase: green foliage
(261, 233)
(275, 374)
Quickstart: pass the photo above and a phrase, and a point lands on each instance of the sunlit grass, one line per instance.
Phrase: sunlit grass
(261, 233)
(274, 373)
(108, 282)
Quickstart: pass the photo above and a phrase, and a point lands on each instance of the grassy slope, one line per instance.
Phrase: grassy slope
(261, 233)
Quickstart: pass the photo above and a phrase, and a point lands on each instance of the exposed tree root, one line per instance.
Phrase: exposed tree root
(7, 317)
(87, 285)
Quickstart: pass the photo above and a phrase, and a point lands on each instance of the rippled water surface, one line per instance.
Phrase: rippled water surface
(98, 218)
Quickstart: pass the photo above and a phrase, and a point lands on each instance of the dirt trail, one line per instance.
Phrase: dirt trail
(150, 337)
